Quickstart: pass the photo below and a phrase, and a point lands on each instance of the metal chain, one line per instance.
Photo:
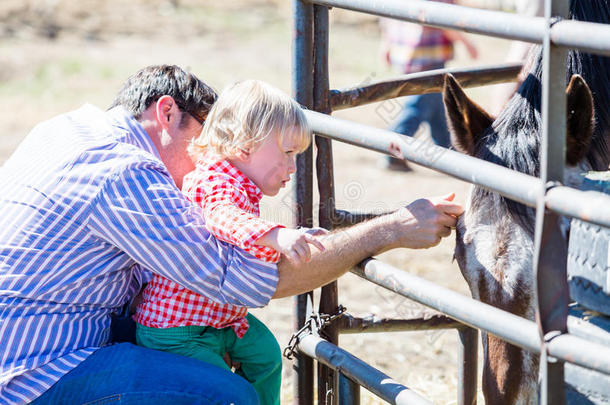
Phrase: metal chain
(291, 349)
(314, 325)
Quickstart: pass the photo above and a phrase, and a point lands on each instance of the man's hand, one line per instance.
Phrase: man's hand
(419, 225)
(423, 223)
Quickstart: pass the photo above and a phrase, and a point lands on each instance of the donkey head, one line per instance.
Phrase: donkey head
(494, 246)
(513, 141)
(470, 125)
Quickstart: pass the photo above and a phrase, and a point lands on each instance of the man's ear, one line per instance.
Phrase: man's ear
(466, 120)
(166, 111)
(580, 120)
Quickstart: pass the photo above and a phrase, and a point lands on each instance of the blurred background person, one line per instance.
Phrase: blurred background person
(411, 48)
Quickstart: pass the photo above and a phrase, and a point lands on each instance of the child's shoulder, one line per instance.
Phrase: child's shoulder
(212, 174)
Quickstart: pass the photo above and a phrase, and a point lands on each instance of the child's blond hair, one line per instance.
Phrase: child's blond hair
(244, 115)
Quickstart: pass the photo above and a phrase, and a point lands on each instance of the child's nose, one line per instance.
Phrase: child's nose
(292, 165)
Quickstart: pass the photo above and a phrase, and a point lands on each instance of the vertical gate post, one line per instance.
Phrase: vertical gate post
(467, 366)
(349, 391)
(328, 379)
(550, 256)
(302, 204)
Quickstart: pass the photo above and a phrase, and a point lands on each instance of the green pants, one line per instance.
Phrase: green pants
(257, 351)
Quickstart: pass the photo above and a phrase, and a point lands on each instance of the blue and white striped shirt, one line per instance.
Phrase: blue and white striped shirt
(86, 201)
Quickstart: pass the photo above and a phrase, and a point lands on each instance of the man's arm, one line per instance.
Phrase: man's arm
(419, 225)
(140, 211)
(223, 201)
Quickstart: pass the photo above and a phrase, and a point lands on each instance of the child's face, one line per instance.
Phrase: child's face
(271, 165)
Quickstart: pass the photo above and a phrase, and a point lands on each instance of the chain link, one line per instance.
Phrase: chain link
(314, 325)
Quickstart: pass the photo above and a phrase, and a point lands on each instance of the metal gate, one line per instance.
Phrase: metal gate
(341, 374)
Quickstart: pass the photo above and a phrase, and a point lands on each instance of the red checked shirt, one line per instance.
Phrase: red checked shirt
(230, 203)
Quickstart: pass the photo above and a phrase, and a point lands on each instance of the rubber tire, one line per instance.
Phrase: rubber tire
(588, 275)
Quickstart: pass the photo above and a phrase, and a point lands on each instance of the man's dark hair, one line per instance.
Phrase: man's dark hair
(149, 84)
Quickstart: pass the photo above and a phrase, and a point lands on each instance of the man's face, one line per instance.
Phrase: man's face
(181, 161)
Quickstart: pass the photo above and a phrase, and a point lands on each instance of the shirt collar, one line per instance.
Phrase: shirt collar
(218, 164)
(132, 132)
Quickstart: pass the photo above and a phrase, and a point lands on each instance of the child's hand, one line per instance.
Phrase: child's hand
(294, 243)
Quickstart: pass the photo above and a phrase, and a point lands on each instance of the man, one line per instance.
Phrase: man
(88, 198)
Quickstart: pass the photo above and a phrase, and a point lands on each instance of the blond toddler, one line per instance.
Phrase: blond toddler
(247, 149)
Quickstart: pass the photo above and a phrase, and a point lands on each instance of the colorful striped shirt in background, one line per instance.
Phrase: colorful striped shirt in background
(230, 203)
(85, 201)
(411, 48)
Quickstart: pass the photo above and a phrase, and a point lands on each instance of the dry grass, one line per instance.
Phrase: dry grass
(57, 55)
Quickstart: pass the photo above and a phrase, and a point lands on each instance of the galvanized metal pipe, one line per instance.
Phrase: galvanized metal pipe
(421, 83)
(550, 243)
(569, 34)
(517, 186)
(577, 35)
(568, 201)
(328, 379)
(303, 376)
(367, 376)
(302, 204)
(514, 185)
(581, 352)
(349, 391)
(467, 366)
(515, 330)
(494, 23)
(302, 87)
(348, 324)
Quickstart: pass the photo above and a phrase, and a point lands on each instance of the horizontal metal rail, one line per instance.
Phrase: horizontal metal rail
(569, 201)
(430, 81)
(348, 324)
(509, 327)
(512, 328)
(365, 375)
(514, 185)
(582, 352)
(577, 35)
(570, 34)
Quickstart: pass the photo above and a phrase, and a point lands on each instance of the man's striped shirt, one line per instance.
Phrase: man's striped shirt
(86, 203)
(230, 203)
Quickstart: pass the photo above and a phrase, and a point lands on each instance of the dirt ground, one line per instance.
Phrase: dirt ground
(56, 55)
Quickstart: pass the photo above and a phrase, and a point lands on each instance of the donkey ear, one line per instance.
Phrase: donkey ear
(580, 119)
(466, 120)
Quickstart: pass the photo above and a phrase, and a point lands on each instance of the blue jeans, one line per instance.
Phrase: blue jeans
(128, 374)
(257, 351)
(424, 108)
